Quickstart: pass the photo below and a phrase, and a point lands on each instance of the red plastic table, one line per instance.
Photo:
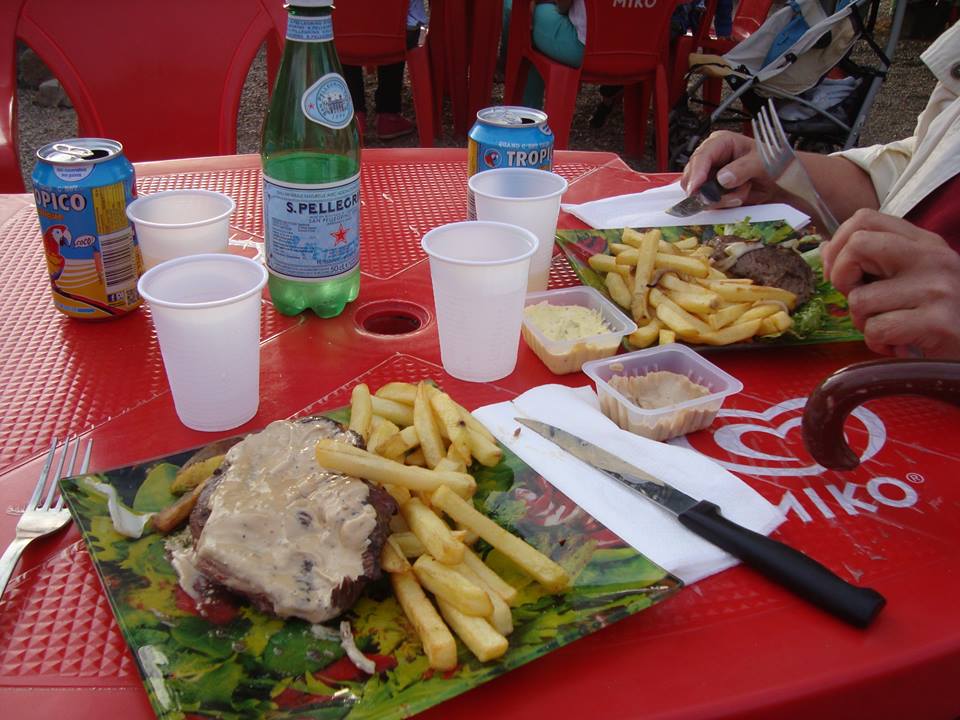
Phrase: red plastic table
(730, 646)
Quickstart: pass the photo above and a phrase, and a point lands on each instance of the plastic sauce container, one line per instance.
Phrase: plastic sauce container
(567, 356)
(672, 420)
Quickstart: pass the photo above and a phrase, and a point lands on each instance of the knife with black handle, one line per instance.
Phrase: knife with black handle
(777, 561)
(784, 565)
(707, 194)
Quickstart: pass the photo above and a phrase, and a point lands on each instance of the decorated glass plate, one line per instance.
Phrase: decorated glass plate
(236, 662)
(824, 318)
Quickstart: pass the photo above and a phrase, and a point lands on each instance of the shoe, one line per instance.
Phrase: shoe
(393, 125)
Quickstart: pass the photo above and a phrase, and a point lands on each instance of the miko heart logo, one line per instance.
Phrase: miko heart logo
(730, 438)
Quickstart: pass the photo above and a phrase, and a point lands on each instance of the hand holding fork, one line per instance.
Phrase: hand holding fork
(42, 515)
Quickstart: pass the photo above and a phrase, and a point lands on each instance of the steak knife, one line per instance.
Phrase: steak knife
(777, 561)
(708, 193)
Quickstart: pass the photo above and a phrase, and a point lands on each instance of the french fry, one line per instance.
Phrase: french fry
(437, 640)
(176, 514)
(739, 292)
(617, 249)
(501, 618)
(476, 632)
(449, 463)
(603, 263)
(383, 471)
(646, 259)
(699, 303)
(666, 337)
(628, 256)
(760, 311)
(679, 319)
(361, 410)
(392, 559)
(618, 290)
(432, 532)
(682, 263)
(645, 335)
(738, 332)
(398, 493)
(539, 566)
(431, 441)
(670, 281)
(486, 452)
(687, 244)
(400, 392)
(727, 315)
(447, 584)
(777, 323)
(396, 412)
(187, 478)
(380, 431)
(636, 239)
(460, 444)
(416, 458)
(475, 425)
(400, 444)
(496, 583)
(448, 416)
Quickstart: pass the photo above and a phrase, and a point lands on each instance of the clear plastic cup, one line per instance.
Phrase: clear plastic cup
(479, 271)
(206, 310)
(526, 197)
(175, 223)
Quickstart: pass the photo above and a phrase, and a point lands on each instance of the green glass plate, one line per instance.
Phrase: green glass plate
(822, 319)
(236, 662)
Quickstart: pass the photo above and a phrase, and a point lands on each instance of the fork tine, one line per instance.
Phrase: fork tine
(44, 471)
(84, 465)
(777, 127)
(763, 148)
(57, 474)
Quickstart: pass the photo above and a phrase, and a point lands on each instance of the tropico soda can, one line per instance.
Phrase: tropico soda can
(507, 136)
(82, 187)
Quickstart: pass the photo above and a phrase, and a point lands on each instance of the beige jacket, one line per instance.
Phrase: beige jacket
(906, 171)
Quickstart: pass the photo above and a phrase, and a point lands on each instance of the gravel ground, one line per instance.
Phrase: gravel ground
(893, 116)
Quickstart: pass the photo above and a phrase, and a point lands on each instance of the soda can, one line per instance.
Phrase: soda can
(82, 187)
(507, 136)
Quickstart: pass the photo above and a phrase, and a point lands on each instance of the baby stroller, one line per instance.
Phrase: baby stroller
(790, 59)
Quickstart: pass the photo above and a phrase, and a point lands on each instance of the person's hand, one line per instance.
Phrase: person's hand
(902, 284)
(739, 170)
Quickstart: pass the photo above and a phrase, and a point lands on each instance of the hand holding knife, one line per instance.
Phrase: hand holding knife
(777, 561)
(709, 193)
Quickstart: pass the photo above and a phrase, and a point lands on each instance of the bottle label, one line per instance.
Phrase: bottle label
(327, 102)
(310, 29)
(312, 231)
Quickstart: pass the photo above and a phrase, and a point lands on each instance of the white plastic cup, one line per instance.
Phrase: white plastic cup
(526, 197)
(206, 310)
(175, 223)
(479, 271)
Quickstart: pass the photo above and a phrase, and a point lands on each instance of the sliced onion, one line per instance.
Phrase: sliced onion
(353, 652)
(125, 521)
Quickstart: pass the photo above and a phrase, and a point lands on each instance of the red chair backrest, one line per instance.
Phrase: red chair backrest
(750, 15)
(163, 78)
(625, 37)
(370, 32)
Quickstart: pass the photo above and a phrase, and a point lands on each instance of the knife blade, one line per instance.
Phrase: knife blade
(708, 193)
(775, 560)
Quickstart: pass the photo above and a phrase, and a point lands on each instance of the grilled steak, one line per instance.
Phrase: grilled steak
(779, 267)
(295, 539)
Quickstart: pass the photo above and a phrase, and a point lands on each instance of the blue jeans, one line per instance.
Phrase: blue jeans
(553, 35)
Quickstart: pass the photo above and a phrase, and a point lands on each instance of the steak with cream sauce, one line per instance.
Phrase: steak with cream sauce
(275, 527)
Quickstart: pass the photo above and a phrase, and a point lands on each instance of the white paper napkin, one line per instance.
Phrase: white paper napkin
(645, 526)
(648, 209)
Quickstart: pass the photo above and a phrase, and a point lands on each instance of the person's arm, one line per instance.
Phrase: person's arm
(902, 284)
(563, 6)
(844, 186)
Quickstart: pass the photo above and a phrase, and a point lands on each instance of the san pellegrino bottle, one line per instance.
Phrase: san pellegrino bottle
(310, 153)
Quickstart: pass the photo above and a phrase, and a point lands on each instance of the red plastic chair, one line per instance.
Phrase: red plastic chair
(749, 16)
(374, 32)
(165, 79)
(627, 44)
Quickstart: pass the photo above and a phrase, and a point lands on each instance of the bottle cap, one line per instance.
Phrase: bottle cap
(311, 3)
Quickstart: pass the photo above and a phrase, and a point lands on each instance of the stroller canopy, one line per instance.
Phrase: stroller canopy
(796, 46)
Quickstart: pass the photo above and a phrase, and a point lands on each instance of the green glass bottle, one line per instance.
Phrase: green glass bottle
(310, 152)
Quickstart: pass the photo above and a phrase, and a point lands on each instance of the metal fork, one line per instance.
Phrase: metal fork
(41, 516)
(783, 166)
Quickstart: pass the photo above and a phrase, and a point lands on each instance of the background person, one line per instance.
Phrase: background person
(896, 255)
(390, 123)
